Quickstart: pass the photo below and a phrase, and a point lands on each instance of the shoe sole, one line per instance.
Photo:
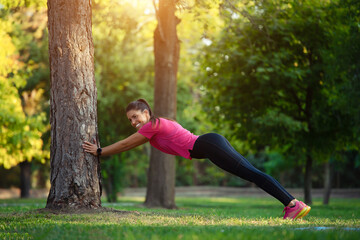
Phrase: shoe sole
(303, 212)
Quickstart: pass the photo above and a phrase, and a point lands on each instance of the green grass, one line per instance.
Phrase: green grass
(196, 218)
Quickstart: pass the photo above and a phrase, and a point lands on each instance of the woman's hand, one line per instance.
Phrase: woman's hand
(90, 148)
(128, 143)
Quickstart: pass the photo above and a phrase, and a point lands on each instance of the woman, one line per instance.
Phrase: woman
(170, 137)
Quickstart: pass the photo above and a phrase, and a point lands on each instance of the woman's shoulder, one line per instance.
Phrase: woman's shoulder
(166, 121)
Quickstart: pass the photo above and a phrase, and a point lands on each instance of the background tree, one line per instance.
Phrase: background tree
(33, 46)
(343, 68)
(124, 66)
(267, 74)
(161, 175)
(199, 21)
(23, 137)
(75, 175)
(20, 136)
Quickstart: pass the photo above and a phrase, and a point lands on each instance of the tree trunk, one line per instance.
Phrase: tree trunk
(161, 181)
(75, 175)
(41, 176)
(111, 193)
(308, 180)
(25, 179)
(161, 174)
(195, 173)
(327, 182)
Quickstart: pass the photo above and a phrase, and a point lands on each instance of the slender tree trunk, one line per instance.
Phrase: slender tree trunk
(25, 179)
(327, 182)
(75, 175)
(309, 160)
(111, 193)
(161, 174)
(308, 180)
(41, 176)
(195, 173)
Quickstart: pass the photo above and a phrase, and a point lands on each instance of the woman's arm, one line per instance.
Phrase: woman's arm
(128, 143)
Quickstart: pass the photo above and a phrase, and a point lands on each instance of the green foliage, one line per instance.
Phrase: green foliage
(124, 72)
(10, 4)
(254, 79)
(21, 129)
(343, 68)
(196, 218)
(112, 172)
(19, 4)
(17, 142)
(199, 21)
(269, 76)
(135, 164)
(123, 39)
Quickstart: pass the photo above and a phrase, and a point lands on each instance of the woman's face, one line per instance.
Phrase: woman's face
(138, 118)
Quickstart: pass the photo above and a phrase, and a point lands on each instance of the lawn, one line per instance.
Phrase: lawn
(195, 218)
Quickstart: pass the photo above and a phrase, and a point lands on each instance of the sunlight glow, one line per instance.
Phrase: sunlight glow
(147, 5)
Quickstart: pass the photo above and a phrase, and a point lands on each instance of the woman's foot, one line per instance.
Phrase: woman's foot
(296, 210)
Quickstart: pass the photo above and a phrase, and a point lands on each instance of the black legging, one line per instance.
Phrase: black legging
(218, 149)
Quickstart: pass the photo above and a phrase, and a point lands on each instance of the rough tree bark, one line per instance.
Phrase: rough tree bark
(75, 176)
(161, 174)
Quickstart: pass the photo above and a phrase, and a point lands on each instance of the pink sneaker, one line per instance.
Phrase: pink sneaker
(300, 210)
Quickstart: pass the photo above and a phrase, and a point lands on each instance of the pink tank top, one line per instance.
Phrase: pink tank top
(169, 137)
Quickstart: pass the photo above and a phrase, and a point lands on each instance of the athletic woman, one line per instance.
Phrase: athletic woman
(170, 137)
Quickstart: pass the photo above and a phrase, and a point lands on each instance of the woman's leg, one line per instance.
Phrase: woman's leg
(221, 153)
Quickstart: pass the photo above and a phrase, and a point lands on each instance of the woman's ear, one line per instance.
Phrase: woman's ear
(146, 112)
